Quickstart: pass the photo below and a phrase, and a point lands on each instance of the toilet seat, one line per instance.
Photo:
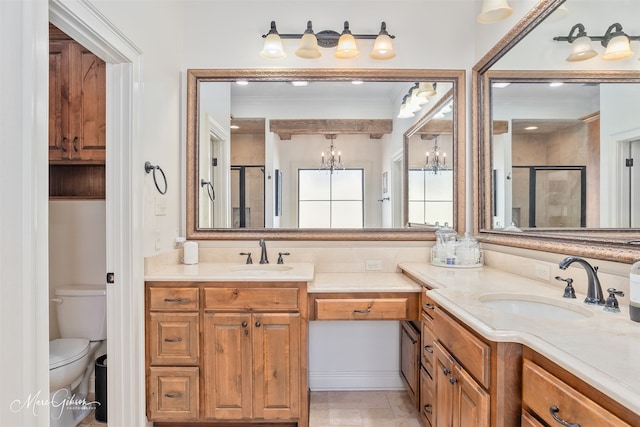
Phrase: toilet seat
(64, 351)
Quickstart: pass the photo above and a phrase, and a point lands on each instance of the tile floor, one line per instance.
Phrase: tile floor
(348, 409)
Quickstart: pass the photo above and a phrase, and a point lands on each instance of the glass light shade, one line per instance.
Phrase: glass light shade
(405, 113)
(382, 48)
(308, 47)
(581, 50)
(346, 47)
(618, 48)
(415, 99)
(494, 11)
(273, 47)
(426, 90)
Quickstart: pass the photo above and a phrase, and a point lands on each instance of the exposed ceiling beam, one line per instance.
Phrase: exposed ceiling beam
(375, 128)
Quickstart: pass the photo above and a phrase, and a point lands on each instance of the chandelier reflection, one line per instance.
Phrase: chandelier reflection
(333, 161)
(435, 160)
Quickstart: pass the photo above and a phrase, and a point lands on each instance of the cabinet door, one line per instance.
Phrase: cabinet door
(427, 398)
(444, 363)
(87, 119)
(470, 401)
(58, 100)
(276, 365)
(410, 360)
(227, 365)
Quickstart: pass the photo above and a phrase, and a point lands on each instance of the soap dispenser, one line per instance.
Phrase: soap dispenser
(634, 292)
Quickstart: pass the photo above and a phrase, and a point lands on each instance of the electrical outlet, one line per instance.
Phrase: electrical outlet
(542, 271)
(373, 265)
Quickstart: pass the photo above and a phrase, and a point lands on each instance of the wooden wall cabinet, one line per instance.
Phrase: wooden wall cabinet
(77, 103)
(227, 353)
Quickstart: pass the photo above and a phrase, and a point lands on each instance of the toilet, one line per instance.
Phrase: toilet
(82, 318)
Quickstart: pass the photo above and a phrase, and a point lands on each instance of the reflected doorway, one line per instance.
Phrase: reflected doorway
(247, 196)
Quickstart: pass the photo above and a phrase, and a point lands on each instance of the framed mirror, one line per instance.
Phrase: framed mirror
(551, 142)
(268, 158)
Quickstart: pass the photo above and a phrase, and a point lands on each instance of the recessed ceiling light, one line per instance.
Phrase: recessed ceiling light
(242, 82)
(234, 127)
(500, 85)
(555, 84)
(356, 82)
(531, 128)
(299, 83)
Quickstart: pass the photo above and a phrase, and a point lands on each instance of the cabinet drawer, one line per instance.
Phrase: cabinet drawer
(542, 391)
(472, 353)
(263, 299)
(362, 309)
(173, 338)
(428, 309)
(173, 394)
(427, 398)
(173, 299)
(528, 420)
(426, 349)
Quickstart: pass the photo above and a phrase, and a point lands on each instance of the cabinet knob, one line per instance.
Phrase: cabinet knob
(428, 349)
(453, 380)
(446, 371)
(427, 409)
(244, 324)
(429, 306)
(258, 324)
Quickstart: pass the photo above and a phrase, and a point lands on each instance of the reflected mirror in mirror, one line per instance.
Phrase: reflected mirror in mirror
(319, 154)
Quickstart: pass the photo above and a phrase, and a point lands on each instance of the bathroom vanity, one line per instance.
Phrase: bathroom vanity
(488, 361)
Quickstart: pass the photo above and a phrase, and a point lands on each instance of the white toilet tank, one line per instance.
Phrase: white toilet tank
(82, 311)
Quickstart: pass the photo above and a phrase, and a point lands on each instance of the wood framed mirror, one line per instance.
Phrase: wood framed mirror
(287, 127)
(600, 232)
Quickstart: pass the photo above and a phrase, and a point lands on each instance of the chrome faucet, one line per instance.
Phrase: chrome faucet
(594, 290)
(263, 254)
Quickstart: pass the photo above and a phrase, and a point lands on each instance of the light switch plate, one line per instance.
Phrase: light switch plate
(160, 206)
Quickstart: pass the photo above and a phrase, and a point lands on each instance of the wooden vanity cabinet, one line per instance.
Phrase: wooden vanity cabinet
(247, 364)
(549, 390)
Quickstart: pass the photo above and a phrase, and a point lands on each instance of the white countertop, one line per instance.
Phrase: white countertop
(602, 349)
(370, 281)
(233, 272)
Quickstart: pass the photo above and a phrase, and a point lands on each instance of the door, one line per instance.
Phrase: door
(276, 365)
(470, 401)
(444, 363)
(227, 365)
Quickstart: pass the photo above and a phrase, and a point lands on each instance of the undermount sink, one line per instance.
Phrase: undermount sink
(535, 307)
(261, 268)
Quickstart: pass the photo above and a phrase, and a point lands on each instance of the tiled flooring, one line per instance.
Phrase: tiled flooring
(362, 408)
(348, 409)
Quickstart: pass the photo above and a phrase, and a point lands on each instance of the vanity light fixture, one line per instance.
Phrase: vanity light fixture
(416, 97)
(345, 43)
(494, 11)
(333, 161)
(437, 162)
(614, 40)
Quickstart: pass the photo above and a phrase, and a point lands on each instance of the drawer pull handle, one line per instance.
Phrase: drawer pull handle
(429, 306)
(173, 339)
(368, 310)
(173, 395)
(553, 410)
(178, 300)
(428, 349)
(427, 410)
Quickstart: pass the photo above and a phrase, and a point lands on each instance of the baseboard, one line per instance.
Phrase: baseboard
(375, 380)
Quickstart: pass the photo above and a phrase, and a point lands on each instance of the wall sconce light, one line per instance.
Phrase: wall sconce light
(494, 11)
(614, 40)
(345, 43)
(416, 97)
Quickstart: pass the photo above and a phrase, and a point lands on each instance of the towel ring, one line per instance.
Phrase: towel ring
(148, 167)
(210, 191)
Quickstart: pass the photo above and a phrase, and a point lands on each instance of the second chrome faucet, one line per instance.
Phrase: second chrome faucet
(594, 290)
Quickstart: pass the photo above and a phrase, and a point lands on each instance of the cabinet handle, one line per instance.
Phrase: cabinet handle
(258, 324)
(173, 340)
(453, 380)
(368, 310)
(553, 410)
(413, 341)
(244, 324)
(74, 144)
(429, 306)
(173, 395)
(64, 140)
(178, 300)
(428, 349)
(446, 371)
(427, 410)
